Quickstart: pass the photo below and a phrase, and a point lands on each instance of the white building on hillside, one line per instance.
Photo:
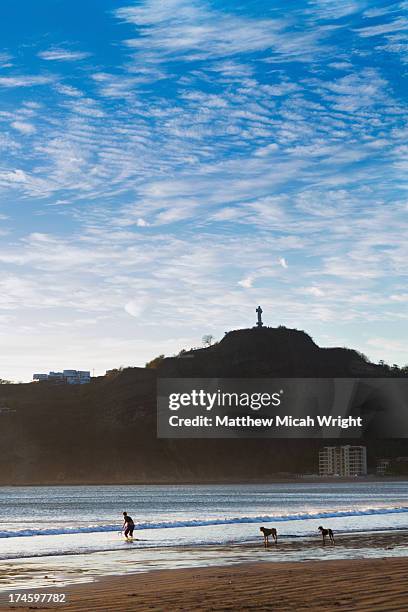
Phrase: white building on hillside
(343, 461)
(70, 377)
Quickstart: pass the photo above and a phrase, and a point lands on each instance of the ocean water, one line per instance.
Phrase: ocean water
(55, 521)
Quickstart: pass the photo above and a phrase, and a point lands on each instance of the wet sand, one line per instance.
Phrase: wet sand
(360, 585)
(363, 572)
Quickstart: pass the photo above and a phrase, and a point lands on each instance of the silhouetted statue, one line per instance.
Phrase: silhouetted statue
(259, 312)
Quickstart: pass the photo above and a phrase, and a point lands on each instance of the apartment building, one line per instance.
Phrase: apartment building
(70, 377)
(345, 460)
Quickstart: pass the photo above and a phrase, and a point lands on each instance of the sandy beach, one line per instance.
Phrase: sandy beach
(359, 585)
(361, 572)
(201, 548)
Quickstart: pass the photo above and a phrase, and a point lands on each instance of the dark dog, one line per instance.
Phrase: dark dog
(269, 532)
(326, 532)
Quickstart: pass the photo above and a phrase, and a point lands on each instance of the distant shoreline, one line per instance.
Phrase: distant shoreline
(369, 479)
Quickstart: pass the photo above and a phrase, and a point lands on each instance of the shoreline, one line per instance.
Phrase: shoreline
(372, 479)
(366, 585)
(60, 572)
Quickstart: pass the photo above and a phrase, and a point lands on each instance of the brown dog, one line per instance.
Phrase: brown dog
(269, 532)
(325, 533)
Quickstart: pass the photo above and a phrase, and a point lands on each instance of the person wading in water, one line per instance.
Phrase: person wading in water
(128, 525)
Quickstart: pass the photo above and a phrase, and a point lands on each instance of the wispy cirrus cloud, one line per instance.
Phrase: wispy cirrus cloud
(398, 25)
(179, 27)
(63, 55)
(334, 10)
(25, 81)
(193, 31)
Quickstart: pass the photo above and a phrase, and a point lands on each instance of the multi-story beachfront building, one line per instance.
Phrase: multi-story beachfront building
(70, 377)
(343, 461)
(383, 465)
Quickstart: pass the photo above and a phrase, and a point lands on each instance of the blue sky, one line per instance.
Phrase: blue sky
(166, 166)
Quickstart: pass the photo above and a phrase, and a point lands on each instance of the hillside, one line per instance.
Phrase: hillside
(268, 352)
(105, 432)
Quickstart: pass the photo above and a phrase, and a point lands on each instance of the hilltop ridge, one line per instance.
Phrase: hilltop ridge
(269, 352)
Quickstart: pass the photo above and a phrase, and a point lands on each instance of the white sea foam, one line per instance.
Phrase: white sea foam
(276, 518)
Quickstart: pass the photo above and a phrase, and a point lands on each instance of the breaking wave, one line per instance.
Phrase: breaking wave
(204, 522)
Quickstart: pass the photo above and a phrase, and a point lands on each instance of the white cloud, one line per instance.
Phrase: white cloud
(68, 90)
(8, 144)
(315, 291)
(282, 262)
(112, 86)
(246, 282)
(25, 81)
(136, 307)
(356, 91)
(378, 12)
(396, 43)
(63, 55)
(333, 9)
(227, 214)
(384, 28)
(399, 297)
(24, 127)
(270, 148)
(191, 30)
(13, 176)
(341, 65)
